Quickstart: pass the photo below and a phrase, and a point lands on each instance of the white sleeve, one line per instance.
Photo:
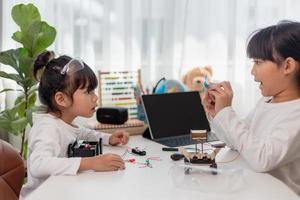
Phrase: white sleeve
(262, 153)
(219, 133)
(91, 135)
(45, 158)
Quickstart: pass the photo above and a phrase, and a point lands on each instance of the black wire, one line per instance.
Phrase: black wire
(155, 87)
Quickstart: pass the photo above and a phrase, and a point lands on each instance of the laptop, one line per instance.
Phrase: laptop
(172, 116)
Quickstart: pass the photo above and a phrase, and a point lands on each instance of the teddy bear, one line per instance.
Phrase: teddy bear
(194, 78)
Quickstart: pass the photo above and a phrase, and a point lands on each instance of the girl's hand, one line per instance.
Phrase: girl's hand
(105, 162)
(119, 137)
(218, 97)
(208, 103)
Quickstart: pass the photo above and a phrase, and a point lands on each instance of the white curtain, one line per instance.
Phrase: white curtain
(164, 38)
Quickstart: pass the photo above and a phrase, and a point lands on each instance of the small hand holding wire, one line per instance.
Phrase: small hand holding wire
(108, 162)
(218, 97)
(119, 137)
(209, 104)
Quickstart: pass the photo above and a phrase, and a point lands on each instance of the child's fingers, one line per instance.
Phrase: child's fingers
(206, 97)
(120, 137)
(227, 87)
(223, 88)
(217, 90)
(116, 158)
(215, 94)
(125, 138)
(116, 140)
(208, 100)
(117, 165)
(210, 96)
(117, 162)
(223, 85)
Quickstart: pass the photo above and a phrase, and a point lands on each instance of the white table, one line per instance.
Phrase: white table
(165, 180)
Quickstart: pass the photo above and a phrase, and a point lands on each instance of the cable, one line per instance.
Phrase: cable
(236, 157)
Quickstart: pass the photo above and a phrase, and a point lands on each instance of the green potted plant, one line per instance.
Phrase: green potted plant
(34, 36)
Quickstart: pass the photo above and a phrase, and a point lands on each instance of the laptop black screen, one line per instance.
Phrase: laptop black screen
(174, 114)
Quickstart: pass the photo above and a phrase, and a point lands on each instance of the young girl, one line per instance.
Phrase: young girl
(269, 139)
(67, 88)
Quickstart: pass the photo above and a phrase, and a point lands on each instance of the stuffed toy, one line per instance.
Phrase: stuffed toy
(197, 78)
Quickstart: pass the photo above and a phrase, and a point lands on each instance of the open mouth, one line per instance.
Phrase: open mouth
(260, 83)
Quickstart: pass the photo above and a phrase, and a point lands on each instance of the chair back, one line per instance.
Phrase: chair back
(11, 172)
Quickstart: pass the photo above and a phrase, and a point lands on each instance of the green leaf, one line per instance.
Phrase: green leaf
(25, 150)
(34, 88)
(25, 62)
(37, 38)
(28, 82)
(13, 123)
(31, 100)
(18, 59)
(9, 58)
(14, 126)
(10, 122)
(7, 90)
(14, 77)
(44, 38)
(5, 123)
(20, 103)
(19, 99)
(25, 15)
(19, 125)
(17, 36)
(11, 114)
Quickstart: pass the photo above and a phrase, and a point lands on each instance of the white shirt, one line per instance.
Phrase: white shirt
(47, 149)
(269, 138)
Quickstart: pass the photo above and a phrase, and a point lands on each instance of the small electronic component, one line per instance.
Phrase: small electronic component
(132, 160)
(137, 151)
(219, 145)
(83, 148)
(169, 149)
(176, 156)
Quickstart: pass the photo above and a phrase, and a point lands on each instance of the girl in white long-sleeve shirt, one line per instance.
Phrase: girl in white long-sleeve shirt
(269, 138)
(67, 89)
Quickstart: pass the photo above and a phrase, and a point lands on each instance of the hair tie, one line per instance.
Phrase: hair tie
(50, 56)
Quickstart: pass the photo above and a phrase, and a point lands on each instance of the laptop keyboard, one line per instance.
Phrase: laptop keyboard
(184, 140)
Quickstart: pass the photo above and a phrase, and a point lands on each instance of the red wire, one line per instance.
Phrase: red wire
(154, 158)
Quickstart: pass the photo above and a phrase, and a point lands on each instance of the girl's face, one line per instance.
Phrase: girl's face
(84, 103)
(270, 76)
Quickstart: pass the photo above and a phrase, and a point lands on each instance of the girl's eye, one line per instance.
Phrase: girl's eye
(90, 92)
(257, 62)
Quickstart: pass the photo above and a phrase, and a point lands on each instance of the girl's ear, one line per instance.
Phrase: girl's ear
(62, 100)
(290, 66)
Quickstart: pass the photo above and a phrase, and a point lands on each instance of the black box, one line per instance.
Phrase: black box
(112, 115)
(83, 148)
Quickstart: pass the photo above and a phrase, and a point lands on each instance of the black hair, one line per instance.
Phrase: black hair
(52, 81)
(276, 43)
